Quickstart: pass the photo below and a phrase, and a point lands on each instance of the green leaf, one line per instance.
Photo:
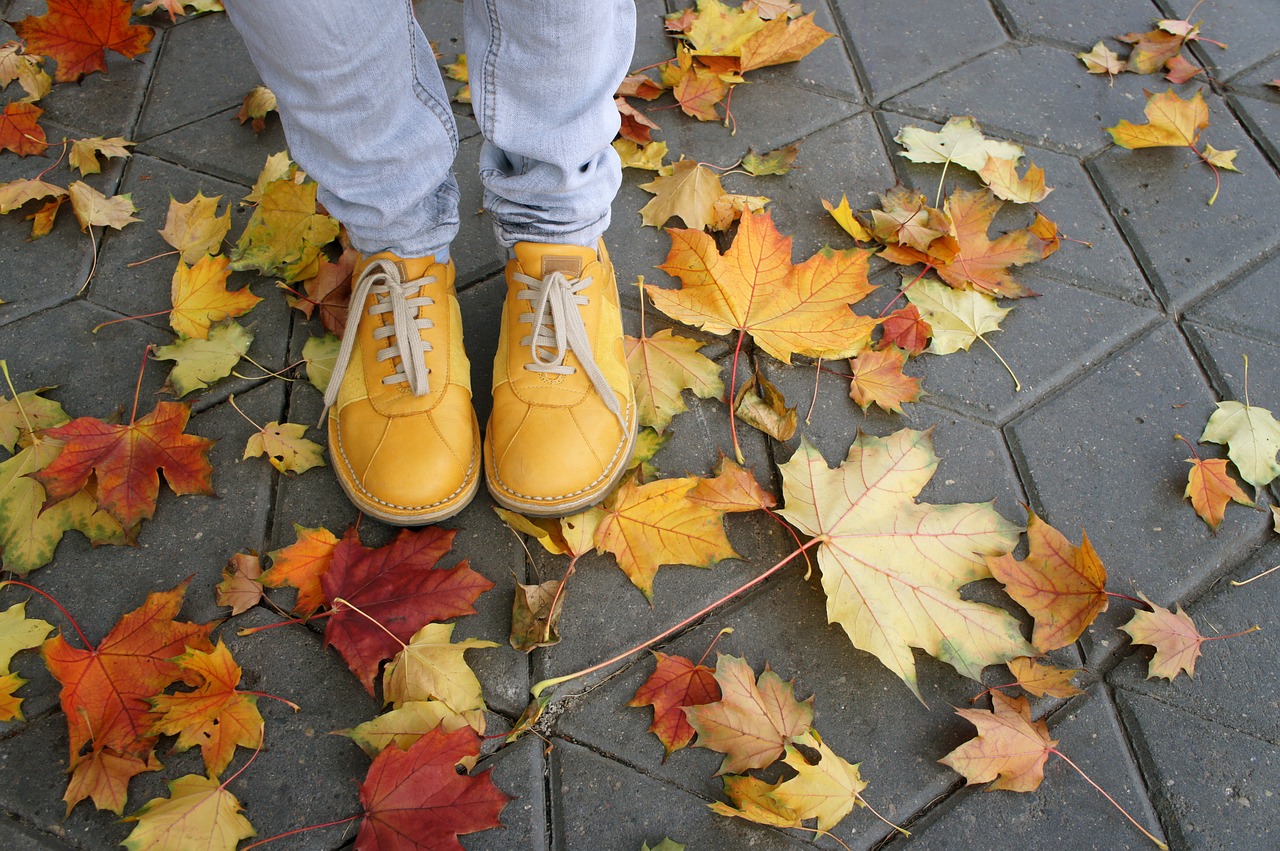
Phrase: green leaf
(199, 363)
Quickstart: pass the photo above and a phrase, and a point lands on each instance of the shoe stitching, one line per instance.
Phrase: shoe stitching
(627, 437)
(465, 478)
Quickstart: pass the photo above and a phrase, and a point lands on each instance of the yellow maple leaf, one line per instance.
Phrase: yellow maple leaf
(286, 447)
(199, 813)
(689, 191)
(85, 152)
(892, 568)
(200, 297)
(93, 208)
(754, 288)
(285, 234)
(782, 40)
(1171, 122)
(195, 228)
(431, 667)
(663, 365)
(15, 193)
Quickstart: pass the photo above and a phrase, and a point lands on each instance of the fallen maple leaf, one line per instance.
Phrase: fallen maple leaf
(732, 488)
(662, 366)
(960, 141)
(92, 208)
(650, 157)
(199, 813)
(640, 85)
(906, 218)
(397, 589)
(216, 716)
(104, 776)
(843, 215)
(1173, 122)
(277, 167)
(16, 64)
(300, 565)
(1252, 437)
(1001, 177)
(286, 447)
(1180, 70)
(906, 329)
(285, 234)
(1040, 680)
(878, 378)
(259, 103)
(27, 413)
(195, 228)
(85, 152)
(240, 588)
(1210, 487)
(689, 191)
(1173, 635)
(675, 683)
(753, 800)
(179, 8)
(19, 131)
(1010, 749)
(431, 667)
(754, 288)
(636, 126)
(19, 632)
(15, 193)
(11, 705)
(826, 786)
(694, 86)
(200, 297)
(892, 568)
(78, 33)
(329, 291)
(1059, 584)
(753, 721)
(782, 40)
(127, 460)
(199, 363)
(416, 799)
(648, 525)
(1103, 60)
(320, 355)
(409, 722)
(106, 689)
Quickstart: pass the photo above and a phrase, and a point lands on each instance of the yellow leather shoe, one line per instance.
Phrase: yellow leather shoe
(403, 436)
(564, 417)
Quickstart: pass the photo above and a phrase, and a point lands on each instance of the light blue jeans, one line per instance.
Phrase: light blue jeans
(367, 116)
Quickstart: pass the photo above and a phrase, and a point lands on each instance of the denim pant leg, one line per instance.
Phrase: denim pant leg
(365, 113)
(543, 76)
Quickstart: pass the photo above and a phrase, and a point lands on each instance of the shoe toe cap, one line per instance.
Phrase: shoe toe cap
(558, 455)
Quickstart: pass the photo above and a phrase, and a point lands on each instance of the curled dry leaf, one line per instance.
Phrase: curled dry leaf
(240, 587)
(761, 405)
(1059, 584)
(778, 161)
(535, 615)
(15, 193)
(17, 64)
(257, 105)
(92, 208)
(651, 157)
(636, 126)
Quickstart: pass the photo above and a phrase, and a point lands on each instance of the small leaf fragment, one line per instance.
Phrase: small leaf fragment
(675, 683)
(240, 587)
(321, 355)
(535, 615)
(1041, 680)
(777, 161)
(878, 378)
(257, 105)
(761, 405)
(1102, 60)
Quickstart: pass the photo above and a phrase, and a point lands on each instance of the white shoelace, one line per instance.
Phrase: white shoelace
(397, 297)
(558, 329)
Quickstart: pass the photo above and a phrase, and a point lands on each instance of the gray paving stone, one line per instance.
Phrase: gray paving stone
(220, 146)
(475, 251)
(1212, 786)
(861, 709)
(1244, 305)
(1106, 265)
(18, 837)
(601, 804)
(47, 271)
(520, 771)
(1223, 353)
(1100, 456)
(1160, 199)
(1262, 117)
(1234, 22)
(1078, 25)
(203, 69)
(1068, 114)
(1065, 811)
(1233, 685)
(897, 50)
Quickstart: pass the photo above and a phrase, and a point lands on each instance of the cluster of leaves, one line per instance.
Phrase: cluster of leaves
(1153, 51)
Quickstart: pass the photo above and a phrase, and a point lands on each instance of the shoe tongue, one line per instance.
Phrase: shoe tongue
(540, 260)
(410, 267)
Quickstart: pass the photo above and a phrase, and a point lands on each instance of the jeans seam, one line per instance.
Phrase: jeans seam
(490, 70)
(424, 94)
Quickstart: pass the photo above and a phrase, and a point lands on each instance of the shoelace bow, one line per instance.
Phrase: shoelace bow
(397, 297)
(558, 329)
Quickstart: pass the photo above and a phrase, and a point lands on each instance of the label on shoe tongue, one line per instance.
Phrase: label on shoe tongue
(570, 267)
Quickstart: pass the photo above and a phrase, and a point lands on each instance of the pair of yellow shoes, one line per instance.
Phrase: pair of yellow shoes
(403, 435)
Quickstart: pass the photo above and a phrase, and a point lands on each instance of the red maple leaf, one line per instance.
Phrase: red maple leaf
(127, 460)
(676, 683)
(106, 689)
(19, 131)
(398, 586)
(905, 329)
(416, 799)
(77, 33)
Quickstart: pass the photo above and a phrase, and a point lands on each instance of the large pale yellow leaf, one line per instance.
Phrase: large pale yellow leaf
(957, 317)
(892, 568)
(959, 142)
(826, 788)
(1171, 122)
(1252, 437)
(198, 814)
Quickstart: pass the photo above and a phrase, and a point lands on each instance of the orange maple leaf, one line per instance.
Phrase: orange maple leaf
(127, 460)
(201, 297)
(103, 776)
(979, 263)
(1061, 585)
(754, 288)
(676, 682)
(19, 131)
(1010, 749)
(905, 329)
(878, 378)
(300, 565)
(1174, 636)
(106, 689)
(216, 717)
(782, 40)
(78, 33)
(1210, 487)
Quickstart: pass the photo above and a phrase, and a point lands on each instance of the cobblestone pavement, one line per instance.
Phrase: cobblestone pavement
(1131, 342)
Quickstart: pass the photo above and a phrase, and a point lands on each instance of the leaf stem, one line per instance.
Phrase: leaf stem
(225, 783)
(813, 403)
(538, 688)
(1017, 385)
(555, 598)
(733, 413)
(83, 638)
(301, 830)
(253, 630)
(370, 618)
(66, 143)
(4, 367)
(149, 259)
(1254, 628)
(1259, 576)
(232, 399)
(904, 289)
(863, 800)
(271, 373)
(137, 390)
(728, 630)
(1113, 801)
(1189, 444)
(289, 703)
(96, 328)
(1217, 175)
(1126, 597)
